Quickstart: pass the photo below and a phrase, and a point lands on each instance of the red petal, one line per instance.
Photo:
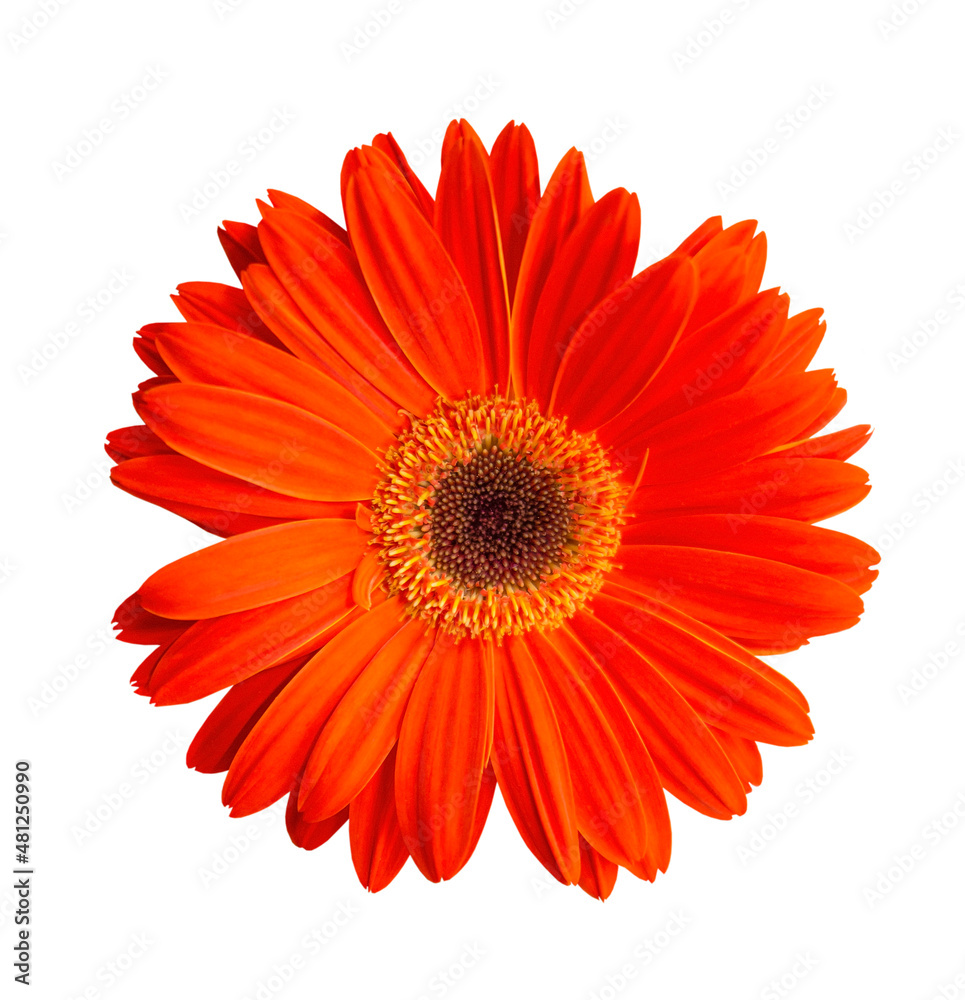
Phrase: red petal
(690, 762)
(608, 363)
(276, 749)
(417, 288)
(444, 745)
(530, 762)
(739, 595)
(515, 175)
(174, 477)
(387, 144)
(807, 489)
(712, 362)
(566, 198)
(271, 444)
(364, 726)
(615, 786)
(225, 729)
(378, 848)
(278, 310)
(311, 835)
(597, 257)
(598, 874)
(728, 431)
(466, 221)
(254, 569)
(818, 549)
(218, 652)
(215, 356)
(727, 686)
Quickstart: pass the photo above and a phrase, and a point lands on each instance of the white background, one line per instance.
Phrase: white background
(684, 105)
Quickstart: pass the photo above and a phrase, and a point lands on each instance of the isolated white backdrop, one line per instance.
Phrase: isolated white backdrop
(673, 101)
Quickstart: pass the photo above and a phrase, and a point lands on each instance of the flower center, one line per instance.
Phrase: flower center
(492, 519)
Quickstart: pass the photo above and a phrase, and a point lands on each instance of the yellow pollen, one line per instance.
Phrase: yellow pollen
(492, 519)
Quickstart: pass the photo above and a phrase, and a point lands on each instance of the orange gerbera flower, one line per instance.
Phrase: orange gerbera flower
(496, 510)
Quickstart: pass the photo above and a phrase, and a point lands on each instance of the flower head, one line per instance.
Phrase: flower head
(497, 509)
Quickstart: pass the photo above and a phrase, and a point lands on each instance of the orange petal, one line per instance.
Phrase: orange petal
(279, 311)
(712, 362)
(311, 835)
(727, 686)
(378, 847)
(598, 875)
(566, 198)
(690, 762)
(465, 205)
(364, 726)
(254, 569)
(531, 765)
(174, 477)
(322, 275)
(217, 652)
(799, 343)
(413, 280)
(444, 745)
(615, 786)
(385, 142)
(276, 749)
(223, 305)
(744, 756)
(608, 363)
(279, 199)
(515, 175)
(215, 356)
(820, 550)
(840, 444)
(597, 257)
(808, 489)
(225, 729)
(266, 442)
(728, 431)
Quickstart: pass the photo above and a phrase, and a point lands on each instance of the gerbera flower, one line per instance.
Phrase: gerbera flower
(497, 510)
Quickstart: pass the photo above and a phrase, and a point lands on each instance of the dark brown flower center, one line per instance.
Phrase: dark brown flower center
(497, 522)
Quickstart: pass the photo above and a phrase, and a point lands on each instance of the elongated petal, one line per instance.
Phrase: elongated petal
(385, 143)
(275, 751)
(531, 764)
(217, 741)
(730, 430)
(414, 282)
(566, 198)
(322, 276)
(725, 684)
(712, 362)
(817, 549)
(807, 489)
(691, 764)
(266, 442)
(515, 174)
(444, 745)
(601, 747)
(740, 595)
(217, 652)
(465, 207)
(215, 356)
(598, 875)
(174, 477)
(597, 257)
(364, 726)
(254, 569)
(623, 343)
(307, 835)
(378, 847)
